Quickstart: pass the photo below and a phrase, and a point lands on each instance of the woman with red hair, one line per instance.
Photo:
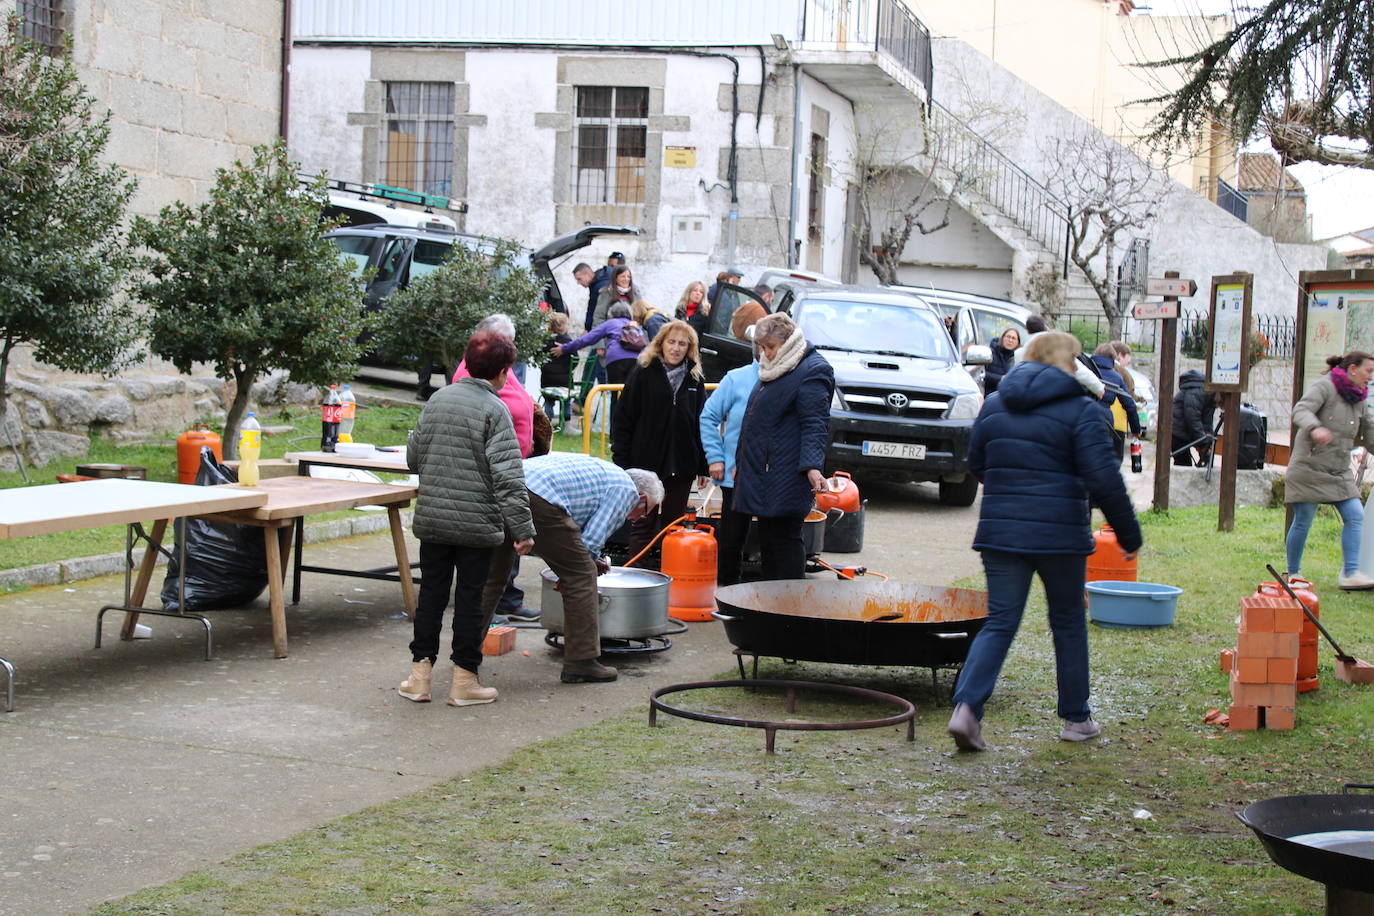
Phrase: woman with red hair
(472, 499)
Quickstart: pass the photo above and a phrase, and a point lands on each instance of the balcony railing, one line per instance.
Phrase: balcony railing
(1225, 196)
(879, 25)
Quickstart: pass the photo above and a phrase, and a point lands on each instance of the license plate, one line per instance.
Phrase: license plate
(894, 450)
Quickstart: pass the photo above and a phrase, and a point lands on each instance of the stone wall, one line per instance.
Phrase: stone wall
(191, 87)
(52, 416)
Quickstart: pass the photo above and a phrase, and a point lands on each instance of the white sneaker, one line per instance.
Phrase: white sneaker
(1356, 581)
(1080, 731)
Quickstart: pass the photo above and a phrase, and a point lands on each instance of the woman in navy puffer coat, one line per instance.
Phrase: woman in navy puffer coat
(1042, 447)
(782, 443)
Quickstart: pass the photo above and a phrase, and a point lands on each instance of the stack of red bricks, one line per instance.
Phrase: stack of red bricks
(1264, 664)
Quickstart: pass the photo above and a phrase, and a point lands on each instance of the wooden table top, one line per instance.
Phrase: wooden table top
(26, 511)
(393, 462)
(293, 497)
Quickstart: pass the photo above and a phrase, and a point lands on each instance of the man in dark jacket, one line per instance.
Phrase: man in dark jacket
(1194, 411)
(1041, 447)
(598, 283)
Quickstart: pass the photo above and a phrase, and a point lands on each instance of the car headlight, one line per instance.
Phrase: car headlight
(965, 406)
(837, 402)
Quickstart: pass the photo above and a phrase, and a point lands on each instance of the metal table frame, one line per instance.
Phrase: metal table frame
(304, 462)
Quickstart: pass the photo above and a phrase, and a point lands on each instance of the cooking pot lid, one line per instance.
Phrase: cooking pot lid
(622, 577)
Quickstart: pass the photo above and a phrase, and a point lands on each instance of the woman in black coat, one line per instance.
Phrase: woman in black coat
(1003, 358)
(655, 424)
(778, 466)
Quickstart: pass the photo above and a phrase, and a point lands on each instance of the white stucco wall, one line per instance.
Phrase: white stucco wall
(326, 85)
(512, 155)
(840, 142)
(1191, 235)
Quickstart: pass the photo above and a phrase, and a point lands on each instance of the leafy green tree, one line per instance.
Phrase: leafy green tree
(247, 282)
(1296, 71)
(62, 252)
(431, 320)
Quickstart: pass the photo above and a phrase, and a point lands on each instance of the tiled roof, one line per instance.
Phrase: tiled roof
(1260, 172)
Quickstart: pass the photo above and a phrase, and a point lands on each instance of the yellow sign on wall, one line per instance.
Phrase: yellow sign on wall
(680, 157)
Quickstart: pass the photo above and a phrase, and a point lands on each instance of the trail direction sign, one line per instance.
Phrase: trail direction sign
(1145, 311)
(1162, 286)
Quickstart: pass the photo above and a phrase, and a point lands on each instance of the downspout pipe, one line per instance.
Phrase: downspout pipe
(796, 167)
(284, 104)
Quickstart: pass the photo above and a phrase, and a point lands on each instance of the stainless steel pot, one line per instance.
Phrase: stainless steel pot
(633, 602)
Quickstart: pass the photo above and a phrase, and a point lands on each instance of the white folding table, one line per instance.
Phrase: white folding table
(27, 511)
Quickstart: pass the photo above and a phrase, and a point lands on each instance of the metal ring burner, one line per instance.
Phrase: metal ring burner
(770, 728)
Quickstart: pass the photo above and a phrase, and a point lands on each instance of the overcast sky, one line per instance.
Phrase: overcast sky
(1340, 200)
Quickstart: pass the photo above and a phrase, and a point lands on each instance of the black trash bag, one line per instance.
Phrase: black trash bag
(226, 564)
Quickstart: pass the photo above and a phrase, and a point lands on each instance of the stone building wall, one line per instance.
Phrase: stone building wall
(191, 87)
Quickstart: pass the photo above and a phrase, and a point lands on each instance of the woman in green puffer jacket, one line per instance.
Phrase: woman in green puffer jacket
(472, 499)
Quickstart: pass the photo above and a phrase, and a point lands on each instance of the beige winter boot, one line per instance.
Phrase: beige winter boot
(416, 687)
(467, 690)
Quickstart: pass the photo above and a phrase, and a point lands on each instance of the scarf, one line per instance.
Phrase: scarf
(1345, 387)
(785, 360)
(675, 375)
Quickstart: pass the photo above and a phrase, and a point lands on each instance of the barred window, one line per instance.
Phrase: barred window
(417, 152)
(40, 21)
(610, 133)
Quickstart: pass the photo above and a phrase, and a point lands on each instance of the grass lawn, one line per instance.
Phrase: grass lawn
(694, 818)
(381, 425)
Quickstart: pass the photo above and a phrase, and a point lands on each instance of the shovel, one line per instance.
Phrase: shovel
(1351, 669)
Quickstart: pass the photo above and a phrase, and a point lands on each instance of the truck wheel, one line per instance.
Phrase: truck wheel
(962, 493)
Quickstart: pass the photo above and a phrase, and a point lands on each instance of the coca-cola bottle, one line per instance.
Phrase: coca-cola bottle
(330, 414)
(1137, 456)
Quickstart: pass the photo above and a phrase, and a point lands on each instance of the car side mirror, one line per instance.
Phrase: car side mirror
(977, 355)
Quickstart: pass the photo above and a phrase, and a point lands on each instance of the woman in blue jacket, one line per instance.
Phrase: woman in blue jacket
(721, 420)
(782, 443)
(1042, 447)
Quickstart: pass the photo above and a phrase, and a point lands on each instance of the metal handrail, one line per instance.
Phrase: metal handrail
(593, 402)
(1004, 184)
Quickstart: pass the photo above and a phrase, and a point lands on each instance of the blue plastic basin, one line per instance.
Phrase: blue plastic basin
(1127, 605)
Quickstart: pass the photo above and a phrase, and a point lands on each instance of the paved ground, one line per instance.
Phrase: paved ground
(133, 764)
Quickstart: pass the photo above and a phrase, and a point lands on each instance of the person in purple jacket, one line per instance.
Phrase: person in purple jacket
(1042, 447)
(619, 358)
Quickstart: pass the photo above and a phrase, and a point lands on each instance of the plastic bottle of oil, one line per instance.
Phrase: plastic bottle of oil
(250, 447)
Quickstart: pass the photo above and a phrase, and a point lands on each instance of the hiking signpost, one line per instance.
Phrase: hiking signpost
(1172, 287)
(1228, 374)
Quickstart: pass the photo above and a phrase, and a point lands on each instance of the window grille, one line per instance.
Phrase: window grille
(417, 152)
(610, 136)
(40, 21)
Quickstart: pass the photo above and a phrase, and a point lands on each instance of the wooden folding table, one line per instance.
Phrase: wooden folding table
(292, 498)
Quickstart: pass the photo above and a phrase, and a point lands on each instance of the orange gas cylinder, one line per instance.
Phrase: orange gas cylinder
(840, 493)
(1307, 639)
(1106, 561)
(188, 451)
(689, 557)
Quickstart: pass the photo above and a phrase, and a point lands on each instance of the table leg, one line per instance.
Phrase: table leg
(145, 576)
(276, 586)
(398, 541)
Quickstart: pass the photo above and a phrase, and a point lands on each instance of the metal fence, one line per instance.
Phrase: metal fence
(1280, 334)
(883, 25)
(1003, 183)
